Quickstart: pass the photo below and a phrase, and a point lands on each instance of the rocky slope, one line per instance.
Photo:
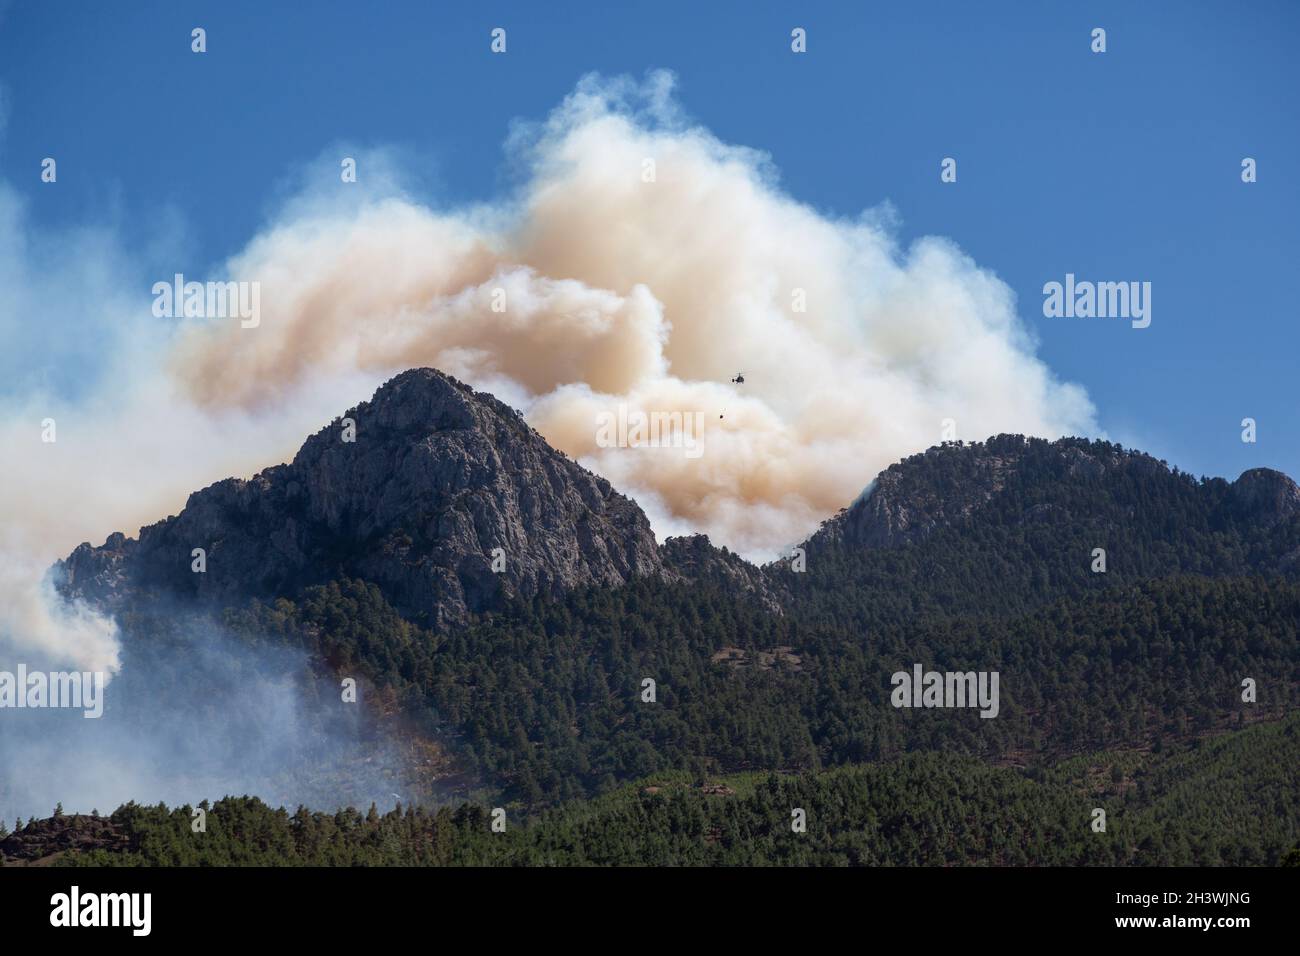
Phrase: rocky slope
(438, 482)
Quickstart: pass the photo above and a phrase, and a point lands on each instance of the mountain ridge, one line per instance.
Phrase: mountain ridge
(438, 476)
(968, 556)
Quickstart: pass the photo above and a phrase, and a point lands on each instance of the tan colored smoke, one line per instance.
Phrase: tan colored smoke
(654, 294)
(617, 291)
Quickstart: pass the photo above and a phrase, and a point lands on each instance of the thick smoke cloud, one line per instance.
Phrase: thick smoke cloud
(593, 288)
(639, 265)
(617, 291)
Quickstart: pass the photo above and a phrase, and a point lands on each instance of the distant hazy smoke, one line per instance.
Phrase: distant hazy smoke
(202, 715)
(654, 294)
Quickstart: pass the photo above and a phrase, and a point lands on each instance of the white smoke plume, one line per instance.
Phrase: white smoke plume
(640, 262)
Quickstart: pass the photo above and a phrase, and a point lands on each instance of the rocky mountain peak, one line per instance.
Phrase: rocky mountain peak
(441, 495)
(1266, 495)
(950, 483)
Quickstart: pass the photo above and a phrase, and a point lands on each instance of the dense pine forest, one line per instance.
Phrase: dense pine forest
(547, 700)
(1160, 687)
(1222, 800)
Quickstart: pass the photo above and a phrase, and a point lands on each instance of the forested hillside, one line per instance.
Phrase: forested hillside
(546, 702)
(1010, 524)
(1225, 801)
(519, 640)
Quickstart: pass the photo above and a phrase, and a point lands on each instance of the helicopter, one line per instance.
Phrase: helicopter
(738, 380)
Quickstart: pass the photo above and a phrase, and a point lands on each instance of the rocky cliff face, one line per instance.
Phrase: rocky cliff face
(439, 482)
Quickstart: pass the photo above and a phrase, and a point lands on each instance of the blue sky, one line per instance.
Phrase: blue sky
(1123, 165)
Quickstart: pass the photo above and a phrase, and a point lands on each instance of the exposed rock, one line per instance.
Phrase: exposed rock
(717, 790)
(438, 477)
(737, 658)
(1266, 496)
